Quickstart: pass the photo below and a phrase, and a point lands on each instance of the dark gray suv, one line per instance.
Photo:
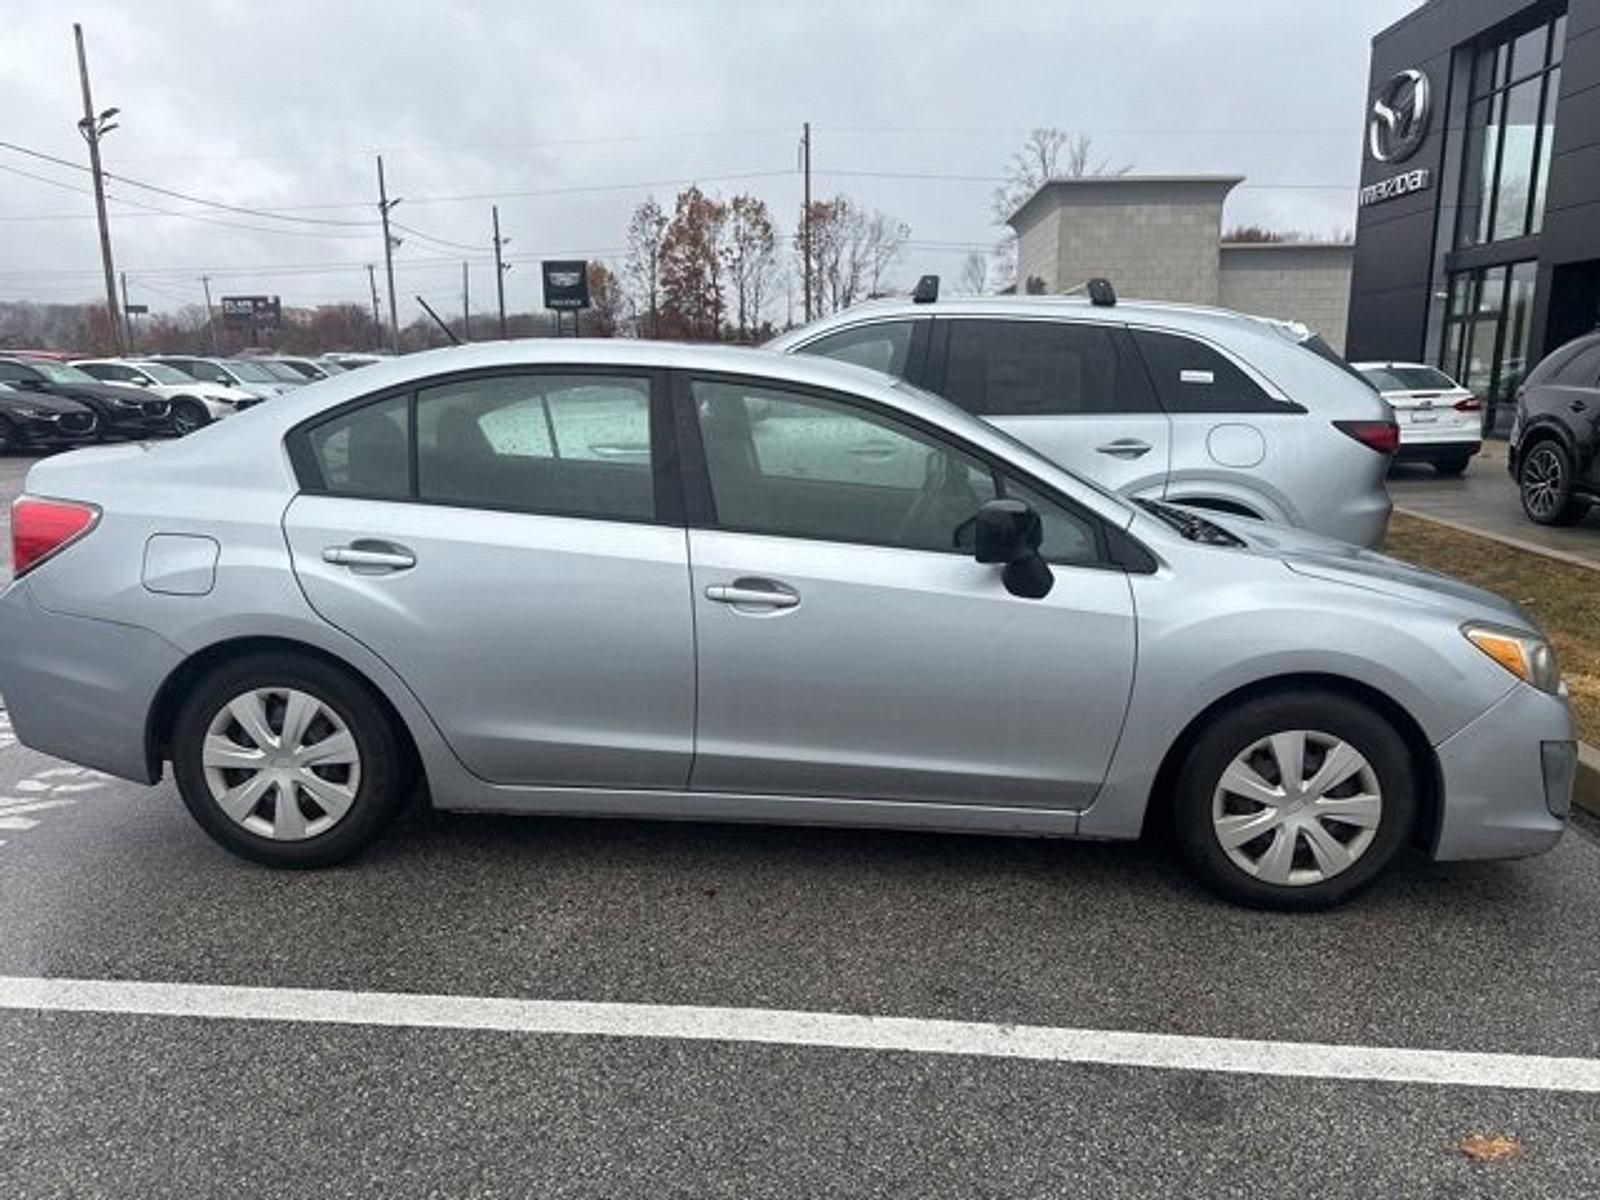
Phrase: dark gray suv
(1555, 435)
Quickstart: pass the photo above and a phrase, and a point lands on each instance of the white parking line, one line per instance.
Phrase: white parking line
(1305, 1060)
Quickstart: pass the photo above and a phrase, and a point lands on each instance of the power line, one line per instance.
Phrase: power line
(444, 243)
(177, 195)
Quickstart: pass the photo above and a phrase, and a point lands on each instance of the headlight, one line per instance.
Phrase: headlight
(1526, 655)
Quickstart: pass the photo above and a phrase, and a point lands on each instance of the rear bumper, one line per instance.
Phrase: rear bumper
(1500, 800)
(1445, 445)
(79, 688)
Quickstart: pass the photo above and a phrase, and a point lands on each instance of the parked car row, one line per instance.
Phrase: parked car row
(48, 403)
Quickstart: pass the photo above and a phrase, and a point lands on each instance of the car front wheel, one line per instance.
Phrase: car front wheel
(189, 415)
(1544, 481)
(288, 761)
(1294, 801)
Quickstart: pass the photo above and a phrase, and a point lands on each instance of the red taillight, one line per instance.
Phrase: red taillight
(41, 528)
(1469, 404)
(1382, 436)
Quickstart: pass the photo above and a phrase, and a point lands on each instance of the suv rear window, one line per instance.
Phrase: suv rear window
(1042, 368)
(1191, 377)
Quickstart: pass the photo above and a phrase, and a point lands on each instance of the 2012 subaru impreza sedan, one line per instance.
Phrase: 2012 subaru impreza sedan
(597, 578)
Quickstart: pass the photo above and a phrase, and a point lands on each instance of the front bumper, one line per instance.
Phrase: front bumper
(1496, 803)
(79, 688)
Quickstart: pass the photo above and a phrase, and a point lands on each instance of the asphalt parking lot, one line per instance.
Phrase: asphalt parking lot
(105, 881)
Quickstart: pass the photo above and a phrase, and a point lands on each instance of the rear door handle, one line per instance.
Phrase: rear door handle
(754, 593)
(1125, 448)
(370, 556)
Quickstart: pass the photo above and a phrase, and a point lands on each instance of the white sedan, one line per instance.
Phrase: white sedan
(195, 402)
(1440, 421)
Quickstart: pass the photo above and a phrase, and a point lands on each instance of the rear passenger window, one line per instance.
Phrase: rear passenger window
(569, 445)
(1041, 368)
(367, 452)
(1583, 370)
(1191, 377)
(884, 346)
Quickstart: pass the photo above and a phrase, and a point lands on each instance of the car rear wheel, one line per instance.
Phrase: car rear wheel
(189, 415)
(288, 761)
(1294, 801)
(1544, 480)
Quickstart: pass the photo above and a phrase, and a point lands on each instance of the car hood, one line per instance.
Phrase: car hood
(44, 402)
(1317, 557)
(106, 391)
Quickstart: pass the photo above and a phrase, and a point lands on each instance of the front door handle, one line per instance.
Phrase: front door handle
(753, 593)
(368, 555)
(1125, 448)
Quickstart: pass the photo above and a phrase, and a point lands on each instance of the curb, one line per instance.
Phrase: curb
(1565, 556)
(1586, 787)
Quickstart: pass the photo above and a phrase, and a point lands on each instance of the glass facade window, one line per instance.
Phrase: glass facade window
(1488, 323)
(1510, 127)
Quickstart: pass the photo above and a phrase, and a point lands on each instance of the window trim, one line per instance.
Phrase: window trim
(665, 474)
(1116, 550)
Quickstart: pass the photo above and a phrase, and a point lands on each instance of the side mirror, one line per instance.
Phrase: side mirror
(1009, 532)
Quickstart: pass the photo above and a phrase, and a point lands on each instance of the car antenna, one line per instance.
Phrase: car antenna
(454, 340)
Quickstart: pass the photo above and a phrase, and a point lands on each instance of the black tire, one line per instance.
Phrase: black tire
(387, 773)
(1544, 484)
(1234, 732)
(1453, 464)
(188, 416)
(10, 439)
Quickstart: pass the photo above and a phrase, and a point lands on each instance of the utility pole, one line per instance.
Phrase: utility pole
(500, 269)
(372, 282)
(466, 306)
(211, 320)
(126, 315)
(805, 213)
(389, 243)
(94, 127)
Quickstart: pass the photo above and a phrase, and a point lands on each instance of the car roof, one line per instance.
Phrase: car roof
(1156, 314)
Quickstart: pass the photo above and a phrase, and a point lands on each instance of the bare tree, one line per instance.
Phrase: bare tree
(851, 252)
(646, 231)
(750, 260)
(1047, 153)
(975, 273)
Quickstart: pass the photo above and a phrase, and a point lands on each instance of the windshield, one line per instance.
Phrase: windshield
(1409, 379)
(282, 371)
(59, 373)
(162, 373)
(252, 372)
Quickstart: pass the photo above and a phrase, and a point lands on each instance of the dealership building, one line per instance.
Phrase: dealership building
(1478, 235)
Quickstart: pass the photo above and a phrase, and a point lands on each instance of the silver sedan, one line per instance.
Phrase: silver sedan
(688, 582)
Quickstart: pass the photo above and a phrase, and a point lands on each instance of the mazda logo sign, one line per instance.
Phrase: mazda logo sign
(1399, 118)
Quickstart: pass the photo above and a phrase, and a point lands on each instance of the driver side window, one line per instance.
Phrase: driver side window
(796, 465)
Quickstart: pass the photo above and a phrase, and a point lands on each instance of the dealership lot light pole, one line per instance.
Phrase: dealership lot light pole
(94, 126)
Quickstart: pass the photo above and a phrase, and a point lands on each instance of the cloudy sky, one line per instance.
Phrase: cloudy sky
(567, 114)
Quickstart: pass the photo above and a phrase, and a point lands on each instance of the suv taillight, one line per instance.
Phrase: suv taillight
(1382, 436)
(42, 528)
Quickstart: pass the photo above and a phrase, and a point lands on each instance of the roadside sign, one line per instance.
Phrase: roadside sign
(566, 284)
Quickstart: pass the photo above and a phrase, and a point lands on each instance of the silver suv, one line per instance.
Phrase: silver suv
(1200, 406)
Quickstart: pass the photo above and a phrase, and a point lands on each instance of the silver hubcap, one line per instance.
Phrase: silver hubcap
(1542, 481)
(187, 420)
(281, 763)
(1297, 808)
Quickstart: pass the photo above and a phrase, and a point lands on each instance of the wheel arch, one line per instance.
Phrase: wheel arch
(1425, 763)
(159, 725)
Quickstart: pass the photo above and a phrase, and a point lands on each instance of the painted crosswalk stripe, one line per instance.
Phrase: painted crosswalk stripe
(844, 1031)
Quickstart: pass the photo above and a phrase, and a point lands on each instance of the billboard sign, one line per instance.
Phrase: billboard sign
(251, 312)
(566, 284)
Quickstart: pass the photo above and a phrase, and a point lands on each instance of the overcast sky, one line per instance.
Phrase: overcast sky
(282, 106)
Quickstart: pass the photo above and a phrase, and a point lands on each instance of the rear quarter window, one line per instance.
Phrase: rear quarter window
(1192, 377)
